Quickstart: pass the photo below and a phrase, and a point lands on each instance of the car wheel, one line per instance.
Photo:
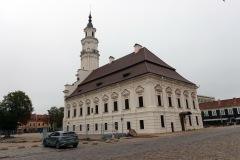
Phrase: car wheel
(57, 145)
(44, 143)
(75, 145)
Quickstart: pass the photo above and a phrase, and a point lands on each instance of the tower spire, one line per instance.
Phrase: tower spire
(90, 21)
(90, 18)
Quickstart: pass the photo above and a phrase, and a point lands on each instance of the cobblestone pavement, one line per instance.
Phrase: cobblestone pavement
(222, 143)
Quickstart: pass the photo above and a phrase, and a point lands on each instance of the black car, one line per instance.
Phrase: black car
(61, 138)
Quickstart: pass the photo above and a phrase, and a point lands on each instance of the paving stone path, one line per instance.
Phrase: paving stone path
(222, 143)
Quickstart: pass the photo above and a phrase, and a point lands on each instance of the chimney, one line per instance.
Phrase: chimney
(219, 102)
(111, 59)
(234, 100)
(137, 47)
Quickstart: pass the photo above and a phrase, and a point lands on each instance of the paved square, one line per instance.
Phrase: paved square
(222, 143)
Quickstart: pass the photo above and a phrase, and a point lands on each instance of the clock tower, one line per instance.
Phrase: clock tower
(89, 54)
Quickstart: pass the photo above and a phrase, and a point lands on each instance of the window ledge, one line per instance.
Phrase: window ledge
(126, 109)
(141, 107)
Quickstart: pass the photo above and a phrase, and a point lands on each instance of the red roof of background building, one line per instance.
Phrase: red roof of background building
(220, 104)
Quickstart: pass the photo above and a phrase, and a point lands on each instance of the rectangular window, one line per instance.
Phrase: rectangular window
(126, 104)
(115, 106)
(230, 111)
(194, 104)
(75, 112)
(162, 121)
(128, 125)
(214, 113)
(141, 124)
(179, 102)
(88, 110)
(206, 113)
(170, 101)
(190, 121)
(80, 127)
(105, 126)
(81, 111)
(96, 109)
(140, 100)
(96, 126)
(87, 127)
(187, 103)
(105, 107)
(197, 120)
(38, 124)
(73, 127)
(222, 112)
(116, 125)
(238, 109)
(68, 113)
(159, 100)
(67, 128)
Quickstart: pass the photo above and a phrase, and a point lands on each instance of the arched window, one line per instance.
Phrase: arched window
(169, 95)
(158, 91)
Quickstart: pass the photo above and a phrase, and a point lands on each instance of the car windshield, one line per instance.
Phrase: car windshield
(69, 134)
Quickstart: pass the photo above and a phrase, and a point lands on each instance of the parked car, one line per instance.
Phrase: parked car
(59, 139)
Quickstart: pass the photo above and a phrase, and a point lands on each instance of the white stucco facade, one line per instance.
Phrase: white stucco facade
(149, 87)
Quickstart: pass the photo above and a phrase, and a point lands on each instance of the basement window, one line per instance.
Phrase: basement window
(126, 75)
(99, 84)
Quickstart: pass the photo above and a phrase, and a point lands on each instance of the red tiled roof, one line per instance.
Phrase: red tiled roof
(221, 104)
(136, 64)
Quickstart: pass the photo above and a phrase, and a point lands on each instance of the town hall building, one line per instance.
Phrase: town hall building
(138, 91)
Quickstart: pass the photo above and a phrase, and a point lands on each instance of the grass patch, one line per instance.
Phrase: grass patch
(4, 157)
(94, 143)
(108, 141)
(84, 142)
(4, 148)
(21, 147)
(35, 145)
(116, 140)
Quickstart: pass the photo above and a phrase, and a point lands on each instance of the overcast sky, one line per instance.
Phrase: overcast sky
(40, 42)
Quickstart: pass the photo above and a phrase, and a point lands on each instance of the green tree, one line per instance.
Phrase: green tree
(59, 122)
(16, 107)
(55, 117)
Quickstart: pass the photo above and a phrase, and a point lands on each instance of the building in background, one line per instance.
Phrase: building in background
(138, 91)
(203, 99)
(221, 112)
(35, 124)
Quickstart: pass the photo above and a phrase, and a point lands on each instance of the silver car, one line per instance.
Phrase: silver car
(61, 138)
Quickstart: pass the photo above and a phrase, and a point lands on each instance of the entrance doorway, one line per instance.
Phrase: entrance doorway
(182, 122)
(172, 126)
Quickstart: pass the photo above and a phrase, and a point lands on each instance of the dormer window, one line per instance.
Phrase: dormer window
(99, 84)
(126, 75)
